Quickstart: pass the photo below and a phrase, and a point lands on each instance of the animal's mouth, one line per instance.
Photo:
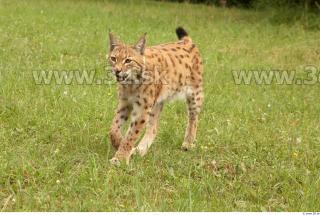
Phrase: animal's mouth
(122, 77)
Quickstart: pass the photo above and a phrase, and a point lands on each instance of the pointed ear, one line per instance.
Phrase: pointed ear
(140, 45)
(113, 41)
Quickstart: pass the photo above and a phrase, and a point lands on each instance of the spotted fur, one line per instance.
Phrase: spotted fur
(148, 77)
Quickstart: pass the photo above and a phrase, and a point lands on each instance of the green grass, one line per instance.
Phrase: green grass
(258, 145)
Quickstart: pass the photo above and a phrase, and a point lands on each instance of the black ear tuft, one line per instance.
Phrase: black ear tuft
(113, 41)
(181, 33)
(140, 45)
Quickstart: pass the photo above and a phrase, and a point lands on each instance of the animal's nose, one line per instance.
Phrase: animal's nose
(117, 71)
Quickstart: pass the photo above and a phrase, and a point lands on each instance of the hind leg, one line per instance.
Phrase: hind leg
(194, 102)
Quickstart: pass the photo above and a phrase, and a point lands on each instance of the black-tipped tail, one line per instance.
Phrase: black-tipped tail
(181, 33)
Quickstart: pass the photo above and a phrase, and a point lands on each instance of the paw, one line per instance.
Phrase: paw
(120, 157)
(142, 150)
(187, 146)
(115, 161)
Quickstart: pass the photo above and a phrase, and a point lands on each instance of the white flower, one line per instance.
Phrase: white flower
(299, 140)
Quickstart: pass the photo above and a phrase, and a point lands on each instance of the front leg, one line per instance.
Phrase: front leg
(119, 119)
(139, 118)
(151, 129)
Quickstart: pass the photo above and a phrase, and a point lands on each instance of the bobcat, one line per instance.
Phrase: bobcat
(146, 78)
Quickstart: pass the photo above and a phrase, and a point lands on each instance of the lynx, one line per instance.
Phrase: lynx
(147, 77)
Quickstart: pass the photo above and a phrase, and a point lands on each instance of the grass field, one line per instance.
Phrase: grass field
(258, 145)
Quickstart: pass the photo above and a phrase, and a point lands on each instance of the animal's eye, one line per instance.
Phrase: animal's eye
(113, 59)
(127, 60)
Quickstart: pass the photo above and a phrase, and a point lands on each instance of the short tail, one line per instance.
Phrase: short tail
(181, 33)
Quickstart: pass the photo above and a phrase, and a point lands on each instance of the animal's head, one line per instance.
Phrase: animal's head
(127, 61)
